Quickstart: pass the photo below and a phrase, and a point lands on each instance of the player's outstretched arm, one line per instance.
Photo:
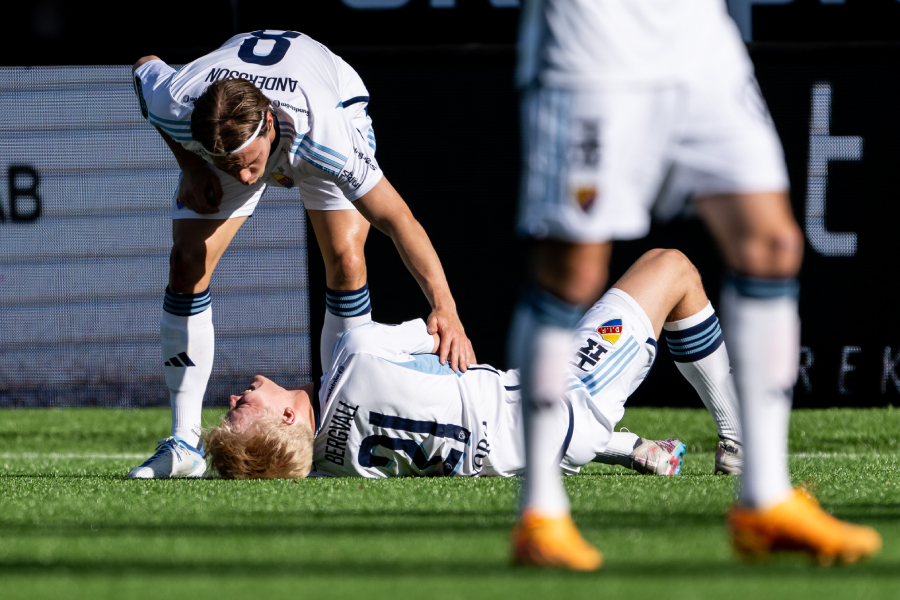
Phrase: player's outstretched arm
(386, 210)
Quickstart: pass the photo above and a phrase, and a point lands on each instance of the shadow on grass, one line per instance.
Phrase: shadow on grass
(352, 522)
(708, 570)
(406, 521)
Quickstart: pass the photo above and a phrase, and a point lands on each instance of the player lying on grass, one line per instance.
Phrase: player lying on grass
(387, 408)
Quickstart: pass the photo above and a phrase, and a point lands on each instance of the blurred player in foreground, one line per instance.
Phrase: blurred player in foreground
(271, 108)
(386, 407)
(627, 102)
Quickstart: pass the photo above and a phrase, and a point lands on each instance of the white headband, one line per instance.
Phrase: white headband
(245, 144)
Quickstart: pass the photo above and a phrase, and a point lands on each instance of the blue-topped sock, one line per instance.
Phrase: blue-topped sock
(345, 309)
(188, 344)
(697, 346)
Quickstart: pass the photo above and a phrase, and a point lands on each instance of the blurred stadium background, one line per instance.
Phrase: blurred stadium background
(86, 186)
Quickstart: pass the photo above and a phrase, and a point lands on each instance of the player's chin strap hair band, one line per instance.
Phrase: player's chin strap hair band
(245, 144)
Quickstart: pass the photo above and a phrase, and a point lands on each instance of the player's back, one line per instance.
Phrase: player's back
(390, 409)
(284, 64)
(586, 43)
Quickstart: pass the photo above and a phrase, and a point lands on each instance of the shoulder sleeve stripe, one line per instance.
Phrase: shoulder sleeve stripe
(309, 154)
(326, 149)
(318, 166)
(172, 121)
(183, 130)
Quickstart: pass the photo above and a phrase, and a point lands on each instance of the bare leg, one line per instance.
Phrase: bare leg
(341, 235)
(197, 246)
(666, 285)
(763, 247)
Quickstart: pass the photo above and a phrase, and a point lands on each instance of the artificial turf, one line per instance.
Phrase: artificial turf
(71, 525)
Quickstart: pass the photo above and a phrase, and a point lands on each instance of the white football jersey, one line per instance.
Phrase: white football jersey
(589, 43)
(387, 408)
(314, 95)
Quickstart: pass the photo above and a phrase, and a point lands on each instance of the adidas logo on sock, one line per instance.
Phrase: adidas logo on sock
(182, 360)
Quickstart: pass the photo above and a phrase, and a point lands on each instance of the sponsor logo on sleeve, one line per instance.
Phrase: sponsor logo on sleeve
(279, 104)
(351, 178)
(365, 158)
(611, 330)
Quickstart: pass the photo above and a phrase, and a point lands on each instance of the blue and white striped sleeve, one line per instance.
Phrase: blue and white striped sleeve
(335, 151)
(152, 82)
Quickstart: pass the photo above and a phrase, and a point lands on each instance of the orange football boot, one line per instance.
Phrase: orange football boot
(552, 542)
(799, 524)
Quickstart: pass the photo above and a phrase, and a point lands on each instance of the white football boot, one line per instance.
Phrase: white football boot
(173, 458)
(658, 457)
(729, 458)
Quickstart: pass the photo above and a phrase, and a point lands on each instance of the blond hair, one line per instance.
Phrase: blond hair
(268, 448)
(227, 113)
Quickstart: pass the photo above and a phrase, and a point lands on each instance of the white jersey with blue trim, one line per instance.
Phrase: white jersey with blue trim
(590, 43)
(388, 408)
(315, 96)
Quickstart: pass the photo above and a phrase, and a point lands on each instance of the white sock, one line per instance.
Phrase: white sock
(618, 450)
(540, 343)
(696, 346)
(188, 345)
(344, 310)
(762, 326)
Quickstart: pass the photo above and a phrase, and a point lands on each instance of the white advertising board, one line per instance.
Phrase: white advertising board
(85, 235)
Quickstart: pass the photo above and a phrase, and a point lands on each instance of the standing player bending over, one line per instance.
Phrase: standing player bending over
(387, 408)
(625, 102)
(310, 129)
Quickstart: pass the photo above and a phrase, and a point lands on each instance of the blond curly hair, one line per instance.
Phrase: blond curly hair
(268, 448)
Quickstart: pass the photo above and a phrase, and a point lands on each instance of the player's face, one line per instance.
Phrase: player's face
(248, 165)
(261, 394)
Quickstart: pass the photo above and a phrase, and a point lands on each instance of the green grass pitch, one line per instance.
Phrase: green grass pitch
(71, 525)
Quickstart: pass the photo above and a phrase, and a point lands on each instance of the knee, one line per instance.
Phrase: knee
(776, 253)
(345, 269)
(676, 263)
(187, 266)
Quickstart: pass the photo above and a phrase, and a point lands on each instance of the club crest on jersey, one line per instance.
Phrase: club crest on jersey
(586, 196)
(283, 180)
(611, 330)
